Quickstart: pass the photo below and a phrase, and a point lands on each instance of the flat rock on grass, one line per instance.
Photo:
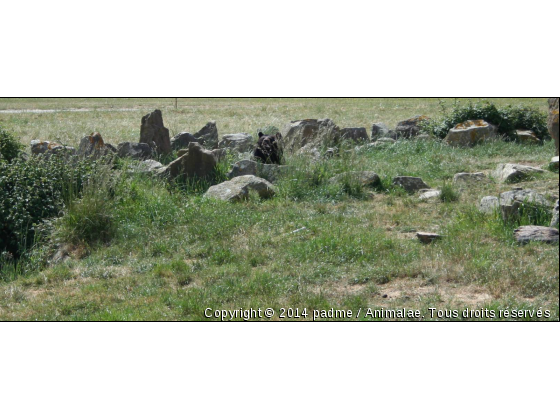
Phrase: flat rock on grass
(428, 237)
(364, 178)
(469, 178)
(238, 189)
(411, 184)
(429, 195)
(526, 234)
(511, 172)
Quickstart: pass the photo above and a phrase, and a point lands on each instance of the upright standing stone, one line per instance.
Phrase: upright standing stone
(208, 135)
(153, 133)
(553, 120)
(194, 162)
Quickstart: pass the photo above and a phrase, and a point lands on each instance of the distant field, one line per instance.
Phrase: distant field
(107, 116)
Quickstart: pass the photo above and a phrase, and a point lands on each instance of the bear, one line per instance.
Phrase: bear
(268, 149)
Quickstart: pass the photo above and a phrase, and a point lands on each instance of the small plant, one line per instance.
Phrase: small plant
(508, 119)
(449, 194)
(10, 147)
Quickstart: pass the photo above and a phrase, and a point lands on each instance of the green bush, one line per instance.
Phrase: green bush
(34, 190)
(508, 119)
(10, 147)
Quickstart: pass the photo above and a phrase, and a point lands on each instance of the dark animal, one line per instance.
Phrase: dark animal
(268, 149)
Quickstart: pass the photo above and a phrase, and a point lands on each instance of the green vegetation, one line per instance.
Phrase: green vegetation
(10, 147)
(141, 249)
(507, 118)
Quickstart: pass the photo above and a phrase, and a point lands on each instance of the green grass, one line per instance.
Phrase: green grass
(170, 253)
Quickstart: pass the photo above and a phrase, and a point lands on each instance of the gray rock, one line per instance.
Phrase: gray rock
(208, 135)
(182, 140)
(241, 142)
(379, 130)
(137, 151)
(410, 184)
(354, 133)
(526, 234)
(427, 237)
(243, 167)
(330, 152)
(527, 136)
(220, 154)
(94, 147)
(470, 133)
(310, 152)
(248, 167)
(555, 219)
(238, 189)
(411, 127)
(553, 166)
(195, 162)
(510, 172)
(146, 167)
(553, 127)
(469, 178)
(270, 172)
(153, 132)
(489, 204)
(364, 178)
(430, 195)
(313, 133)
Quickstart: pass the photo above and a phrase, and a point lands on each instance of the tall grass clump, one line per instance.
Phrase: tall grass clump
(508, 119)
(10, 147)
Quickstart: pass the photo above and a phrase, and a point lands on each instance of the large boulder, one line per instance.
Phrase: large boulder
(137, 151)
(411, 184)
(153, 132)
(249, 167)
(364, 178)
(94, 147)
(470, 133)
(195, 162)
(241, 142)
(317, 133)
(379, 130)
(243, 167)
(182, 140)
(411, 127)
(208, 135)
(553, 120)
(465, 178)
(511, 172)
(238, 189)
(358, 134)
(526, 234)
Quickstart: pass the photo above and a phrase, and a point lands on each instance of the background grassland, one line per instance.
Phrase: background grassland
(169, 254)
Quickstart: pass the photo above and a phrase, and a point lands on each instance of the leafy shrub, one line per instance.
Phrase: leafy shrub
(10, 147)
(34, 190)
(508, 119)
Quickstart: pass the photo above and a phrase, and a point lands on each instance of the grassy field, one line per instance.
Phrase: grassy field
(172, 254)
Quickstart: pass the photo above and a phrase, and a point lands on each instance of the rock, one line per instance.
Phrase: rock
(526, 234)
(146, 167)
(241, 142)
(137, 151)
(379, 130)
(238, 189)
(243, 167)
(430, 195)
(489, 204)
(364, 178)
(330, 152)
(94, 147)
(208, 135)
(220, 154)
(38, 147)
(555, 219)
(553, 126)
(318, 133)
(427, 237)
(310, 152)
(411, 127)
(527, 136)
(553, 166)
(248, 167)
(195, 162)
(354, 133)
(510, 172)
(62, 150)
(153, 133)
(182, 140)
(470, 133)
(469, 178)
(410, 184)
